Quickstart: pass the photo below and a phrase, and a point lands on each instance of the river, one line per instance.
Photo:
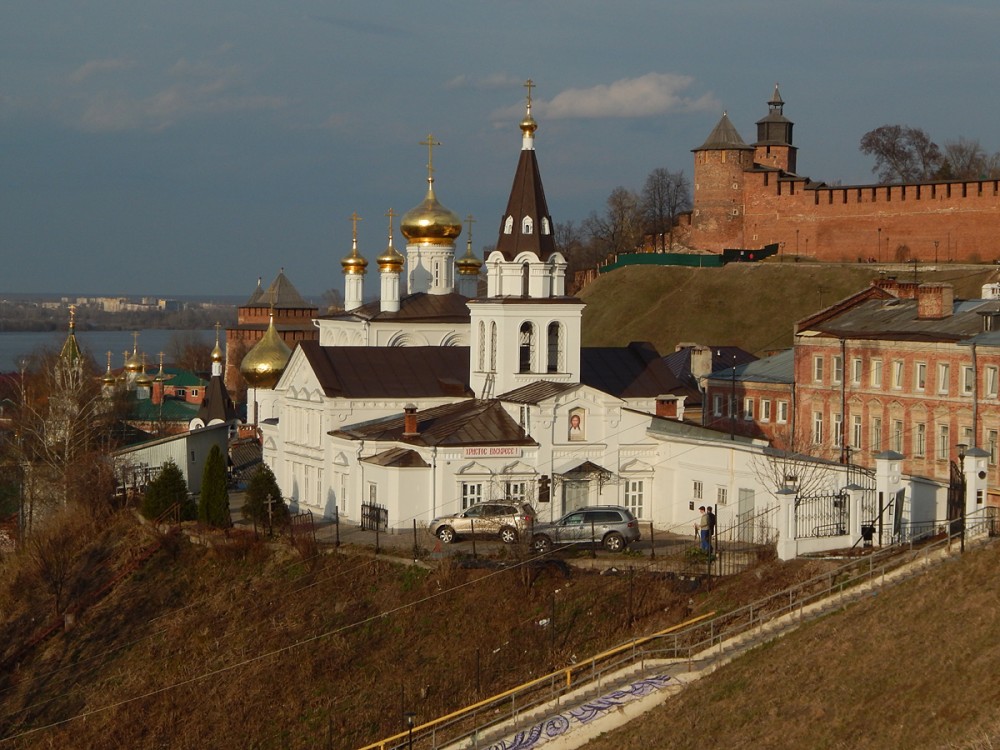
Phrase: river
(152, 341)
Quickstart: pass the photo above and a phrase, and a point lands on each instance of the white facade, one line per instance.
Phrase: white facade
(360, 332)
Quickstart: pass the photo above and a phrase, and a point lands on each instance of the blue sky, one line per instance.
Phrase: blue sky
(188, 147)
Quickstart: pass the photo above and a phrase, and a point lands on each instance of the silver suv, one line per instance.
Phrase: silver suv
(504, 520)
(610, 525)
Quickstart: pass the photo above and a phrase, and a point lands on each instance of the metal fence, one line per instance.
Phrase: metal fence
(374, 517)
(822, 515)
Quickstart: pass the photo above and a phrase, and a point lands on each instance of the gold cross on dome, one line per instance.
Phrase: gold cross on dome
(470, 221)
(430, 143)
(390, 213)
(529, 84)
(354, 224)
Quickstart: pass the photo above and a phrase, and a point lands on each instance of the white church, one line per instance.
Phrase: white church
(427, 403)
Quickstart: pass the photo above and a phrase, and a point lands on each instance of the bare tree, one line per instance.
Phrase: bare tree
(902, 153)
(619, 228)
(967, 160)
(665, 195)
(190, 351)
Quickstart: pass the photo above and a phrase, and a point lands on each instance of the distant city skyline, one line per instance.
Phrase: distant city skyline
(188, 149)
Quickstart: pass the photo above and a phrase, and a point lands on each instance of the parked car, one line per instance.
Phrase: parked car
(504, 520)
(610, 525)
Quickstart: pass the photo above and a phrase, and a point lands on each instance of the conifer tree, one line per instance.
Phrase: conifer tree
(261, 486)
(168, 488)
(213, 505)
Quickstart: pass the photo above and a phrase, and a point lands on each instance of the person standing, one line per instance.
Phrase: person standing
(705, 530)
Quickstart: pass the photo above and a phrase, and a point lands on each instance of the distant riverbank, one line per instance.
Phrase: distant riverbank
(14, 346)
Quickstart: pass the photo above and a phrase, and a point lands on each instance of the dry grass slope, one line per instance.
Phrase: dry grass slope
(913, 666)
(754, 306)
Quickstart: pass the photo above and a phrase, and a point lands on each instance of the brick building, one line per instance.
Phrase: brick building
(755, 399)
(899, 366)
(748, 196)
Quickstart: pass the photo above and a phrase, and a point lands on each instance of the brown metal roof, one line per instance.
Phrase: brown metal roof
(536, 392)
(390, 372)
(527, 198)
(399, 458)
(419, 307)
(464, 423)
(896, 319)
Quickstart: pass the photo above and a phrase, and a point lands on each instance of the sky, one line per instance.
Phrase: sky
(186, 148)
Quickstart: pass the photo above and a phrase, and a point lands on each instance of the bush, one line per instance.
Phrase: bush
(261, 485)
(168, 488)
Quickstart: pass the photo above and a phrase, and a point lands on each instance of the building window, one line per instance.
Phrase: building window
(817, 369)
(527, 227)
(838, 368)
(921, 376)
(968, 380)
(493, 346)
(526, 348)
(516, 492)
(897, 374)
(482, 346)
(991, 442)
(967, 436)
(920, 440)
(765, 410)
(717, 405)
(897, 435)
(748, 409)
(508, 225)
(555, 347)
(721, 495)
(817, 428)
(782, 412)
(991, 382)
(525, 419)
(372, 493)
(944, 443)
(472, 493)
(856, 433)
(876, 380)
(943, 373)
(698, 490)
(876, 434)
(856, 367)
(633, 496)
(838, 430)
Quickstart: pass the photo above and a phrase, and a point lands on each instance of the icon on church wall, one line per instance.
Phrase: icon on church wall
(577, 424)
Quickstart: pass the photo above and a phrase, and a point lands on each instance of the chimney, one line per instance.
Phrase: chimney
(410, 421)
(666, 406)
(701, 362)
(898, 289)
(935, 301)
(157, 397)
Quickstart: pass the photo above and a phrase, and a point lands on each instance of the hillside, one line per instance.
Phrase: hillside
(255, 645)
(668, 305)
(913, 666)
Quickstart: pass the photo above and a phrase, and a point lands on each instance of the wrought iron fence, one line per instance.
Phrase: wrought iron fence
(374, 517)
(822, 515)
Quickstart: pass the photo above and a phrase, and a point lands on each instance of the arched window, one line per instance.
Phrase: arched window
(525, 280)
(482, 346)
(545, 225)
(555, 347)
(493, 346)
(527, 225)
(508, 225)
(526, 348)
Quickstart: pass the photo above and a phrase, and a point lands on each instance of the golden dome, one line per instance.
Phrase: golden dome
(266, 361)
(468, 264)
(430, 222)
(109, 377)
(133, 363)
(217, 353)
(391, 259)
(354, 263)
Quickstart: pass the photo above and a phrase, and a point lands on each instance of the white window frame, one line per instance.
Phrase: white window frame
(920, 380)
(857, 370)
(515, 490)
(897, 374)
(838, 430)
(472, 493)
(991, 382)
(858, 432)
(722, 495)
(818, 368)
(992, 443)
(717, 404)
(838, 369)
(765, 410)
(968, 380)
(943, 442)
(634, 493)
(920, 439)
(876, 446)
(943, 376)
(698, 489)
(896, 436)
(748, 409)
(876, 373)
(782, 413)
(817, 428)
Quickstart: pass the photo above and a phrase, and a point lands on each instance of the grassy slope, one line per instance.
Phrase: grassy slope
(754, 306)
(185, 635)
(913, 666)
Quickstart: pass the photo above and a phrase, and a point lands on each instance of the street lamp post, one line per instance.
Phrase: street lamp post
(410, 716)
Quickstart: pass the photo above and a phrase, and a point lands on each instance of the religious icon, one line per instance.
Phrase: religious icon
(576, 424)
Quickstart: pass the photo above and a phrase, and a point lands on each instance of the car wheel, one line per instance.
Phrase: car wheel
(541, 544)
(508, 535)
(614, 542)
(446, 534)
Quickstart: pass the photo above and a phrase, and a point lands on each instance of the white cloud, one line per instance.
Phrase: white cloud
(93, 67)
(651, 94)
(199, 89)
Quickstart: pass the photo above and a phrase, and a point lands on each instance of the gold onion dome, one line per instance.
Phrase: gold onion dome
(133, 363)
(266, 361)
(143, 379)
(391, 259)
(109, 377)
(217, 353)
(354, 262)
(430, 222)
(469, 264)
